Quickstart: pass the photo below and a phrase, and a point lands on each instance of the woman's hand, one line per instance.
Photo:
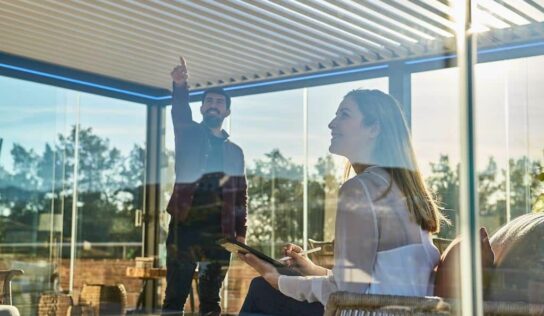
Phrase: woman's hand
(301, 263)
(265, 269)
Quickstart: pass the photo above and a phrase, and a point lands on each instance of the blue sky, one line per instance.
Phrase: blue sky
(34, 114)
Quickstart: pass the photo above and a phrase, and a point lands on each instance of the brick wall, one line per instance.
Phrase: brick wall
(111, 271)
(100, 271)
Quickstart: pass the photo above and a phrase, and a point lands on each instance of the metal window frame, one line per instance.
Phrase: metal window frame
(59, 76)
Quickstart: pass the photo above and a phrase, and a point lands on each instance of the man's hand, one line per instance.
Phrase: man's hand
(241, 239)
(179, 74)
(265, 269)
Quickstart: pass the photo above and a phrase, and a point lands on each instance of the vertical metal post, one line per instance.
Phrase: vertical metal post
(73, 237)
(305, 169)
(155, 129)
(471, 274)
(400, 87)
(507, 129)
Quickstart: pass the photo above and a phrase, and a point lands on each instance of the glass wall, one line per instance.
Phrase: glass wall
(510, 152)
(269, 130)
(326, 170)
(60, 146)
(435, 131)
(73, 166)
(110, 192)
(32, 166)
(510, 138)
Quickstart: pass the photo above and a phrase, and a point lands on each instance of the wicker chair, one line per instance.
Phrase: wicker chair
(6, 302)
(54, 304)
(103, 299)
(5, 278)
(349, 304)
(512, 309)
(516, 287)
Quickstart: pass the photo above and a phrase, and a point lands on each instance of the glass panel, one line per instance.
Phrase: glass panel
(269, 130)
(510, 148)
(268, 127)
(435, 130)
(510, 169)
(110, 176)
(168, 174)
(41, 127)
(436, 137)
(32, 186)
(326, 170)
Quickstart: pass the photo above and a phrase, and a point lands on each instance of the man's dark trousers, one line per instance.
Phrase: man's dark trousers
(195, 241)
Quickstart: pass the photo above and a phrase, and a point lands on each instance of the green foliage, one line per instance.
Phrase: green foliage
(525, 186)
(444, 184)
(110, 189)
(275, 189)
(538, 205)
(275, 186)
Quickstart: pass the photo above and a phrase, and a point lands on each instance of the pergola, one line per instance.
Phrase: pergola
(126, 49)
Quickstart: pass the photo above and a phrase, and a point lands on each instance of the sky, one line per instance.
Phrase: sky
(509, 109)
(33, 114)
(509, 112)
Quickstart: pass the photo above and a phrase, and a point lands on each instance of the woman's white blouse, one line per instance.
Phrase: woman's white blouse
(378, 248)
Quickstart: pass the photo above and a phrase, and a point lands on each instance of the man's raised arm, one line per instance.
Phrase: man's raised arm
(181, 111)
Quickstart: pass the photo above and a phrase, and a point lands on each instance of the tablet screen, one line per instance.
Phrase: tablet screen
(235, 246)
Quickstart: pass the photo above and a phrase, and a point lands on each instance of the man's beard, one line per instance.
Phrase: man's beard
(212, 121)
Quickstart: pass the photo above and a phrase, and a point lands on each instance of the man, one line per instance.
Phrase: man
(209, 199)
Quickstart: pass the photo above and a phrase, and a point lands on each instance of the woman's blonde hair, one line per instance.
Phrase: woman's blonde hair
(394, 153)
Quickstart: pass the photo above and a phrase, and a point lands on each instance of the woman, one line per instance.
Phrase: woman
(385, 216)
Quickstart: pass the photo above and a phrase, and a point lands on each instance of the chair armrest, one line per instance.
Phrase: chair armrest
(406, 305)
(395, 304)
(512, 308)
(7, 275)
(80, 310)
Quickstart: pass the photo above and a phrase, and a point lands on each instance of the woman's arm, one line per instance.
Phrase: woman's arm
(356, 243)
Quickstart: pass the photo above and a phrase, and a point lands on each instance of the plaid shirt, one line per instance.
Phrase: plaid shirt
(191, 144)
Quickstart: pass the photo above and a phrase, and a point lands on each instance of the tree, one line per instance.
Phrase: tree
(275, 200)
(525, 185)
(525, 188)
(98, 164)
(444, 184)
(24, 166)
(538, 205)
(110, 188)
(490, 190)
(323, 188)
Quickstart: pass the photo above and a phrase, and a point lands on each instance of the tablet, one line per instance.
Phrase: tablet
(235, 246)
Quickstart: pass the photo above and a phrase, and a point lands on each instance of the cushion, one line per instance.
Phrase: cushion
(519, 261)
(447, 281)
(8, 310)
(521, 232)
